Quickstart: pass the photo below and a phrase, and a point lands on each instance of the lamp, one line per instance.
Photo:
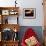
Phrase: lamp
(15, 3)
(15, 30)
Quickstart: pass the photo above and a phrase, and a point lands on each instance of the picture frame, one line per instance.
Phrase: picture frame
(30, 13)
(13, 12)
(5, 12)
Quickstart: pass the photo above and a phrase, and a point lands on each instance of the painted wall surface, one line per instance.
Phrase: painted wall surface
(38, 21)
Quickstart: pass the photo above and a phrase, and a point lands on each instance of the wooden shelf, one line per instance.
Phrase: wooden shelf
(4, 24)
(8, 11)
(9, 43)
(11, 26)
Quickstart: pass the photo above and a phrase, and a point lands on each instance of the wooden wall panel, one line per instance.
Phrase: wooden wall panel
(44, 6)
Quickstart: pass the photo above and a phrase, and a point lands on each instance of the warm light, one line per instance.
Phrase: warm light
(15, 30)
(12, 10)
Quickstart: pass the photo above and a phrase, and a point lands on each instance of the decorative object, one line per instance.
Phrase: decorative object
(15, 30)
(29, 12)
(30, 38)
(7, 34)
(5, 19)
(13, 12)
(5, 12)
(15, 3)
(31, 41)
(15, 37)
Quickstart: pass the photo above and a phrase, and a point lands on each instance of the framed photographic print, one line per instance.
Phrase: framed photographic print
(13, 12)
(30, 13)
(5, 12)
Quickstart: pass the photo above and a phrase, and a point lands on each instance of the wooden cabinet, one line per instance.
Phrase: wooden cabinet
(9, 23)
(10, 43)
(0, 43)
(9, 15)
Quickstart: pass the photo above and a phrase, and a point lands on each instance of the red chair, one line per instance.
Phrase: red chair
(29, 33)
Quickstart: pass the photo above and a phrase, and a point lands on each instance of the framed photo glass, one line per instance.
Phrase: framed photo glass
(30, 13)
(5, 12)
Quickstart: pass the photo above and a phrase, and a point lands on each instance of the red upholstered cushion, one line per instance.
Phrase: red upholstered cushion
(29, 33)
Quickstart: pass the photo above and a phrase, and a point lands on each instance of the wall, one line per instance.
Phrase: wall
(38, 21)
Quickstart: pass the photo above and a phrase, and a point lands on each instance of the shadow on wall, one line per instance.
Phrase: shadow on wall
(37, 29)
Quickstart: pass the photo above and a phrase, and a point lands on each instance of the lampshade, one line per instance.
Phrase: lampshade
(15, 30)
(15, 3)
